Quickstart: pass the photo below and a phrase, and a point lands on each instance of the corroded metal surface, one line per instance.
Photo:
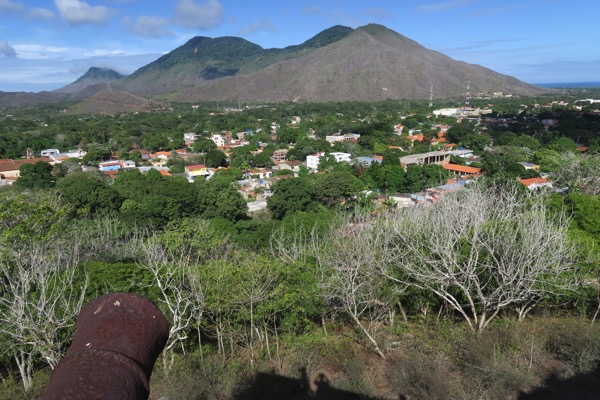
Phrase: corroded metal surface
(118, 338)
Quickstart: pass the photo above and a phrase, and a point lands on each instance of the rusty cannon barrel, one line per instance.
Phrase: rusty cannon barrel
(118, 338)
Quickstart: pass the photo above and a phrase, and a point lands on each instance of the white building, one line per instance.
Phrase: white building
(190, 137)
(218, 139)
(312, 161)
(348, 137)
(49, 152)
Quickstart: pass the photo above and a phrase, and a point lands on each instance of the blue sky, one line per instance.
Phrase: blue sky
(47, 44)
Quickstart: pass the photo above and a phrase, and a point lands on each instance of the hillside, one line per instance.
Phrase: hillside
(112, 102)
(203, 60)
(24, 99)
(92, 77)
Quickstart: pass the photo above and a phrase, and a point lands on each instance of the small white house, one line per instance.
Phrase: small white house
(49, 152)
(312, 161)
(218, 139)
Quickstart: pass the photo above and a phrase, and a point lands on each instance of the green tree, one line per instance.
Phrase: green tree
(337, 187)
(219, 197)
(88, 193)
(203, 145)
(215, 159)
(291, 195)
(262, 160)
(31, 216)
(35, 176)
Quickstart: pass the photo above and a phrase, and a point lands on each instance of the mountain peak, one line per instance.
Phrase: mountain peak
(371, 62)
(93, 76)
(100, 73)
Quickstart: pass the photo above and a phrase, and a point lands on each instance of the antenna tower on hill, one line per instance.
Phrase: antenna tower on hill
(468, 95)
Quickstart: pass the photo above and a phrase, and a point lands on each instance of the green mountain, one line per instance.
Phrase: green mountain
(93, 76)
(203, 60)
(368, 63)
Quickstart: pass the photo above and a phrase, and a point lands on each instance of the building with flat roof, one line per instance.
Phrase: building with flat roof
(432, 157)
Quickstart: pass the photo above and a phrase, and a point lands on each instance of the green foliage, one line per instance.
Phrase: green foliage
(193, 238)
(31, 216)
(89, 193)
(106, 278)
(35, 176)
(219, 197)
(215, 158)
(291, 195)
(547, 159)
(336, 187)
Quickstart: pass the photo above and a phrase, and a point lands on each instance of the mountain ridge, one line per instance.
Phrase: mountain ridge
(369, 63)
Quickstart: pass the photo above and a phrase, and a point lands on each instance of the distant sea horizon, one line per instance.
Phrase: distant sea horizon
(569, 85)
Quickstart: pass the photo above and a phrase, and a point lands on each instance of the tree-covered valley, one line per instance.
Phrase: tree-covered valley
(332, 290)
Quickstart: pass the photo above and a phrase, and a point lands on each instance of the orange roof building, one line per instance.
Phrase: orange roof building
(463, 170)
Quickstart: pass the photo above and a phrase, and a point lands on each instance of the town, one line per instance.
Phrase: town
(294, 146)
(284, 241)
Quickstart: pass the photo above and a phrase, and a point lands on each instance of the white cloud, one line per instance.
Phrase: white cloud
(6, 49)
(200, 16)
(103, 53)
(262, 25)
(8, 5)
(40, 13)
(77, 12)
(151, 27)
(34, 51)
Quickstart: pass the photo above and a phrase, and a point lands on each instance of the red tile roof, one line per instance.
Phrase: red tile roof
(462, 168)
(195, 167)
(533, 181)
(14, 165)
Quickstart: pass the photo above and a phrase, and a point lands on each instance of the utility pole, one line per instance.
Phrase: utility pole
(431, 97)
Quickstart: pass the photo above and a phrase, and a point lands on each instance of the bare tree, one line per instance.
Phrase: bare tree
(483, 251)
(182, 305)
(39, 302)
(350, 260)
(580, 171)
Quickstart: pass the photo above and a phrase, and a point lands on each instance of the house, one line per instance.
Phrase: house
(534, 183)
(416, 138)
(292, 165)
(312, 161)
(49, 152)
(279, 155)
(218, 139)
(60, 157)
(190, 137)
(368, 161)
(432, 157)
(163, 170)
(463, 171)
(529, 166)
(116, 165)
(194, 171)
(348, 137)
(464, 153)
(160, 158)
(109, 166)
(9, 169)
